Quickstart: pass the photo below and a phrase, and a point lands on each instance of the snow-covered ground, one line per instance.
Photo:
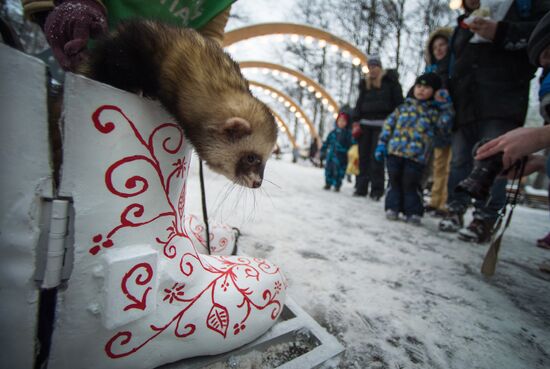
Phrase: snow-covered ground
(395, 295)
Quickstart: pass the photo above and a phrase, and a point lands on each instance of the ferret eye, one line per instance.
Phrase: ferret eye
(252, 159)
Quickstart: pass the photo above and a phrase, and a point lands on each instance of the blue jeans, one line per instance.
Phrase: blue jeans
(463, 142)
(405, 181)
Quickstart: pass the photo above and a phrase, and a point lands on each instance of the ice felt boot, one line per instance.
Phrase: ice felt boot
(479, 230)
(163, 299)
(452, 222)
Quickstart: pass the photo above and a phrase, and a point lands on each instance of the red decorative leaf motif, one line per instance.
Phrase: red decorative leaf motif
(218, 319)
(181, 202)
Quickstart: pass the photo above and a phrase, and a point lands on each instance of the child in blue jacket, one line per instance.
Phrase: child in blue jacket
(335, 150)
(406, 140)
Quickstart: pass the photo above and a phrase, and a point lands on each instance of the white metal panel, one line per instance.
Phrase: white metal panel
(25, 177)
(125, 166)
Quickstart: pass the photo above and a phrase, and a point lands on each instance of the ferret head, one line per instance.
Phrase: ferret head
(240, 137)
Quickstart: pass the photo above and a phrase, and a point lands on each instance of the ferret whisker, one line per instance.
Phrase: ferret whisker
(236, 188)
(255, 202)
(249, 213)
(226, 189)
(238, 196)
(242, 199)
(264, 191)
(273, 183)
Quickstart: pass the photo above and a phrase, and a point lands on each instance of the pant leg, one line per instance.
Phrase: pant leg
(394, 197)
(330, 171)
(462, 161)
(362, 180)
(341, 168)
(376, 168)
(411, 180)
(489, 211)
(441, 168)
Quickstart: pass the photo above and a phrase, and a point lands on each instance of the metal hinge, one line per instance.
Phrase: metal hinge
(52, 266)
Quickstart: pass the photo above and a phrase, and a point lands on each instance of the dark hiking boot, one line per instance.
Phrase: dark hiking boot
(391, 214)
(440, 213)
(327, 187)
(478, 230)
(452, 222)
(337, 189)
(375, 198)
(358, 194)
(429, 209)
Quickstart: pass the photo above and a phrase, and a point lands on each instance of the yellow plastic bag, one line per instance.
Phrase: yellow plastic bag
(353, 160)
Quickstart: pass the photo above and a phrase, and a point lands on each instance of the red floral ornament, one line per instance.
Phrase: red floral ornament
(97, 239)
(174, 293)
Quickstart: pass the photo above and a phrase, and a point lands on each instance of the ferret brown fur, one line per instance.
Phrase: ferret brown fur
(198, 83)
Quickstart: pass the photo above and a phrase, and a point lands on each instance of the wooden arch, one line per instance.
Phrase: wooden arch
(287, 131)
(263, 29)
(306, 120)
(316, 87)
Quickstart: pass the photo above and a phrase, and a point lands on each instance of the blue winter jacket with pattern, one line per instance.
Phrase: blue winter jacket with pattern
(409, 131)
(337, 144)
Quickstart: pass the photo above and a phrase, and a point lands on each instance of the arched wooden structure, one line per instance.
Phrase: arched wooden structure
(324, 38)
(327, 98)
(300, 114)
(286, 129)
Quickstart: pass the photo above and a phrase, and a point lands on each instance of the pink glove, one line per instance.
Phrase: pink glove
(69, 26)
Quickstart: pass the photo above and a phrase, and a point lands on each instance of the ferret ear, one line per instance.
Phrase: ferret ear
(236, 128)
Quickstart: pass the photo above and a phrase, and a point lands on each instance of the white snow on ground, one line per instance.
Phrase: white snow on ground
(395, 295)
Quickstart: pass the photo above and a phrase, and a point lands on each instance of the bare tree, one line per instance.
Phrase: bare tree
(395, 16)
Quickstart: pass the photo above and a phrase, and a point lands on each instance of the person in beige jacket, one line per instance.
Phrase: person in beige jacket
(437, 61)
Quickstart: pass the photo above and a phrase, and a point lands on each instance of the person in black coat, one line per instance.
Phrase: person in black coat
(379, 94)
(489, 83)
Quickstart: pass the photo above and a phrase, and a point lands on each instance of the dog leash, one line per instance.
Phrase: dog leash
(204, 212)
(490, 261)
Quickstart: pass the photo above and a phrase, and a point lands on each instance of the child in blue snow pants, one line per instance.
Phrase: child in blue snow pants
(335, 149)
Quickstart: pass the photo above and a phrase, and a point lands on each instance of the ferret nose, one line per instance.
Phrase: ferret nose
(256, 184)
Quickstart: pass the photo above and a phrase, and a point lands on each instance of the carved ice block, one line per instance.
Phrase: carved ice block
(25, 177)
(125, 166)
(132, 270)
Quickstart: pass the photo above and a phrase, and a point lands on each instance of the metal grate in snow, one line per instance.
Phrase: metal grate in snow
(296, 341)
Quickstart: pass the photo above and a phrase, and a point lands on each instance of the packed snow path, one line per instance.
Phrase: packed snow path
(396, 295)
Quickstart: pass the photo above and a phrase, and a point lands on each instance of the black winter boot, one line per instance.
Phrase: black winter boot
(452, 222)
(479, 230)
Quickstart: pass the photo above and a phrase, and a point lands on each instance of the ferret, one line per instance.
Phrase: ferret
(199, 84)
